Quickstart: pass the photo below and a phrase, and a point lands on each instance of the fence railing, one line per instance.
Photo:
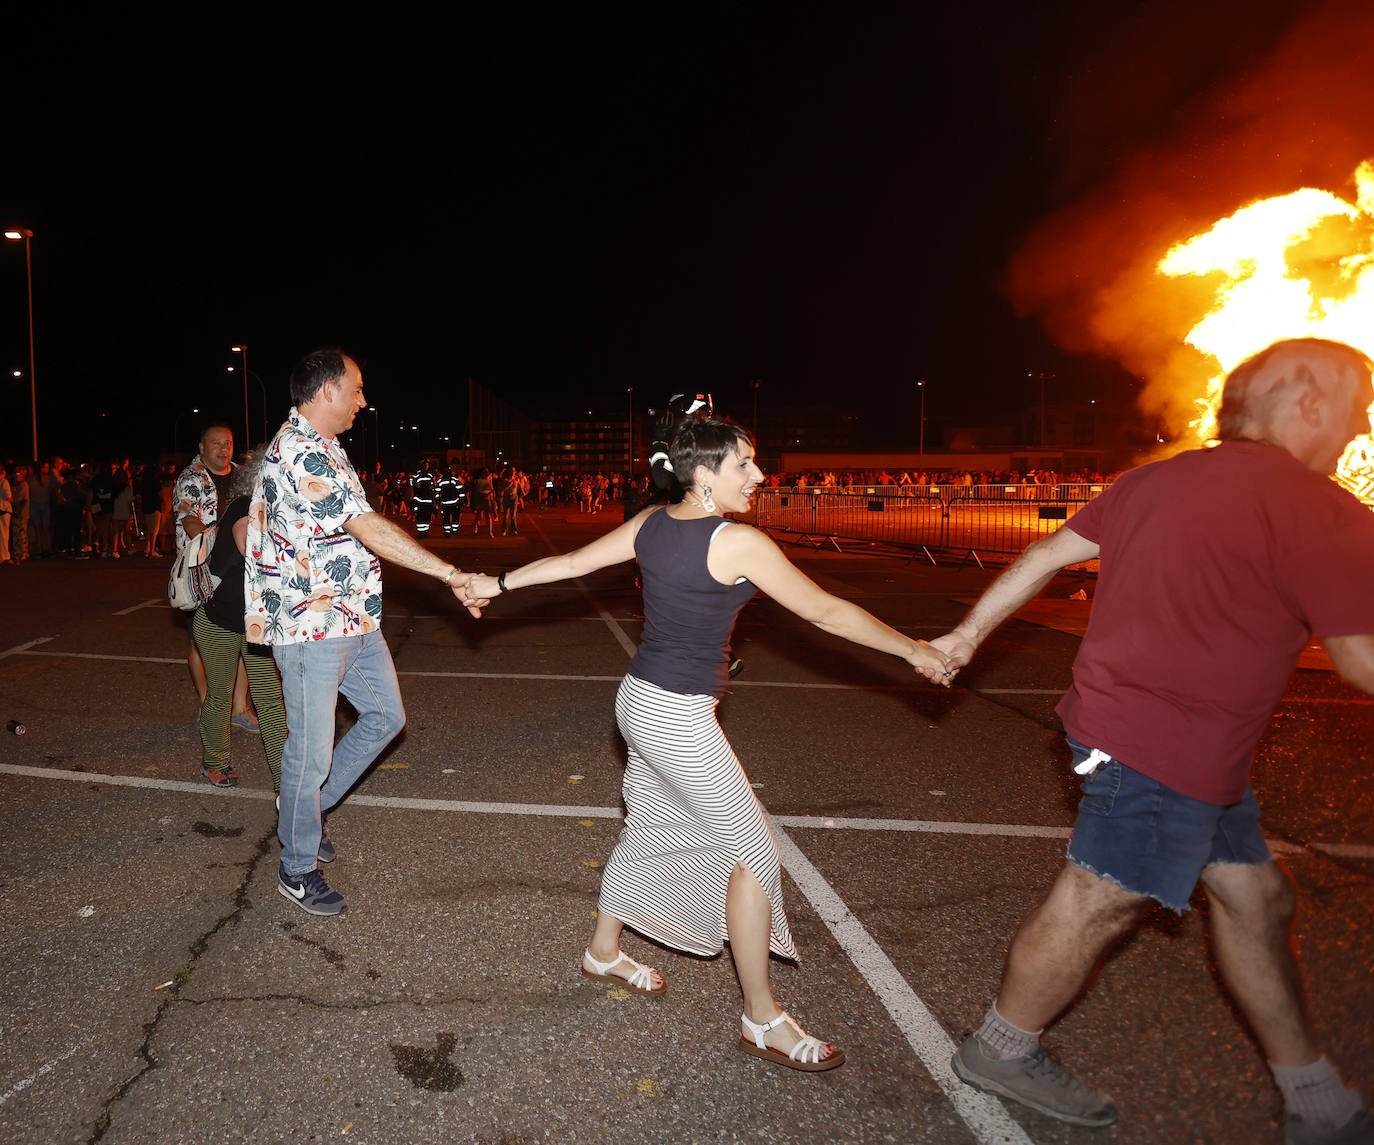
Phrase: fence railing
(969, 519)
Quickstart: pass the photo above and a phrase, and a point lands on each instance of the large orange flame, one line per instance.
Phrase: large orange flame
(1296, 265)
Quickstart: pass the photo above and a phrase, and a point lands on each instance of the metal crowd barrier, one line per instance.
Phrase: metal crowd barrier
(966, 519)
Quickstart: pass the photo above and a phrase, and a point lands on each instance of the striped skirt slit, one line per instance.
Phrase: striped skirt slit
(691, 816)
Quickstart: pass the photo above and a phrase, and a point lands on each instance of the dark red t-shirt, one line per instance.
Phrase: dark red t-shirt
(1217, 567)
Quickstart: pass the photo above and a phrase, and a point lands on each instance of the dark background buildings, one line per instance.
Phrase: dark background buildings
(562, 202)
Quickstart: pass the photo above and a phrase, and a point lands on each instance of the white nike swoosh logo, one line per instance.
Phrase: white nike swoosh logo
(300, 894)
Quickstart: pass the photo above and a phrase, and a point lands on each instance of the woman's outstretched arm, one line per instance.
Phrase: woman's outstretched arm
(743, 551)
(614, 548)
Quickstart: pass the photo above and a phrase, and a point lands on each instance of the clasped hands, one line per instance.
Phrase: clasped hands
(939, 660)
(470, 594)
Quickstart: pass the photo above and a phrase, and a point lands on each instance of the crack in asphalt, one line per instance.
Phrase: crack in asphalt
(360, 1007)
(198, 948)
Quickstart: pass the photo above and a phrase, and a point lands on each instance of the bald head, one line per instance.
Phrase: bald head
(1308, 396)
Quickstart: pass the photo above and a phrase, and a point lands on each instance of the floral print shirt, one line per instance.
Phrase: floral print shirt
(194, 495)
(305, 576)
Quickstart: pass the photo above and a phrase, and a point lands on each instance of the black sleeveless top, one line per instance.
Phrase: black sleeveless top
(688, 614)
(226, 607)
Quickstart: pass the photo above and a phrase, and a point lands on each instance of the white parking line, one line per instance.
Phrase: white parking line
(24, 1083)
(103, 656)
(582, 811)
(813, 685)
(156, 602)
(19, 649)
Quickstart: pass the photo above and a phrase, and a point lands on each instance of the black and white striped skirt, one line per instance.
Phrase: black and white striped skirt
(690, 817)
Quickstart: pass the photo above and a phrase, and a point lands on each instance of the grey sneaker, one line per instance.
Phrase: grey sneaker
(1036, 1080)
(310, 892)
(1359, 1130)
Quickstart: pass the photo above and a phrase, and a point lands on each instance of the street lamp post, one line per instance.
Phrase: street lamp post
(247, 425)
(754, 385)
(263, 388)
(630, 433)
(27, 235)
(922, 387)
(376, 435)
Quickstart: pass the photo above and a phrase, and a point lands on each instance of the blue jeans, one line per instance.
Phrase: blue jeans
(1154, 841)
(316, 773)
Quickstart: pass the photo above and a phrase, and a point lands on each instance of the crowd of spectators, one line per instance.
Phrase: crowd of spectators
(115, 509)
(54, 508)
(860, 480)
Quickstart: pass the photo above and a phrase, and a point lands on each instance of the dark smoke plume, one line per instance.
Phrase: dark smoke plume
(1302, 117)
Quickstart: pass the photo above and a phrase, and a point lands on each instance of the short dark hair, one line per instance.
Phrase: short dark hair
(207, 427)
(317, 367)
(704, 441)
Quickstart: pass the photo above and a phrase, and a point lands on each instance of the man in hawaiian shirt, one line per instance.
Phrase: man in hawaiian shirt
(313, 591)
(195, 497)
(196, 493)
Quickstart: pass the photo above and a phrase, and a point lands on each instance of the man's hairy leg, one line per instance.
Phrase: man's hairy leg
(1252, 913)
(1059, 943)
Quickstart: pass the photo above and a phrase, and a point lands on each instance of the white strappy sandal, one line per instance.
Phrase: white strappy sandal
(641, 980)
(805, 1055)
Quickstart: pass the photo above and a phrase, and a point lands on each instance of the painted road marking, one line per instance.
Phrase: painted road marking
(102, 656)
(816, 685)
(156, 602)
(578, 811)
(24, 1083)
(20, 649)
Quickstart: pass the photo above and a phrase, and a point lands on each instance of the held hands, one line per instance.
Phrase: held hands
(461, 586)
(481, 585)
(958, 651)
(931, 663)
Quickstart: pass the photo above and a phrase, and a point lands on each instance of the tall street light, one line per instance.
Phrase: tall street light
(27, 235)
(377, 435)
(248, 443)
(630, 438)
(247, 425)
(922, 387)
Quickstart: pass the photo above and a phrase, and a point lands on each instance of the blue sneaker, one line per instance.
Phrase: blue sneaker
(310, 892)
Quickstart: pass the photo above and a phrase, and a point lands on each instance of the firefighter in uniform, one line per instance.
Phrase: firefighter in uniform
(450, 490)
(422, 497)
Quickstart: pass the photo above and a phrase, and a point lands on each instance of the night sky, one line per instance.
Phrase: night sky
(561, 203)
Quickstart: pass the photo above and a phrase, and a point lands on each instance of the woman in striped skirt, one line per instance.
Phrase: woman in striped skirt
(696, 865)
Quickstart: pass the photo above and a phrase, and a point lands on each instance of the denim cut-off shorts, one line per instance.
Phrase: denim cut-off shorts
(1151, 840)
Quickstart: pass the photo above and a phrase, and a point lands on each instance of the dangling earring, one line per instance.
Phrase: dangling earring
(706, 502)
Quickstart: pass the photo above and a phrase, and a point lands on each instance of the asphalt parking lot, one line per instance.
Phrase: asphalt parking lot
(155, 986)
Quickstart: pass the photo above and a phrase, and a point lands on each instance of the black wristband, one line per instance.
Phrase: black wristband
(501, 581)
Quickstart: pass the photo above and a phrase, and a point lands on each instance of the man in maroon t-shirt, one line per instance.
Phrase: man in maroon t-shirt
(1218, 565)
